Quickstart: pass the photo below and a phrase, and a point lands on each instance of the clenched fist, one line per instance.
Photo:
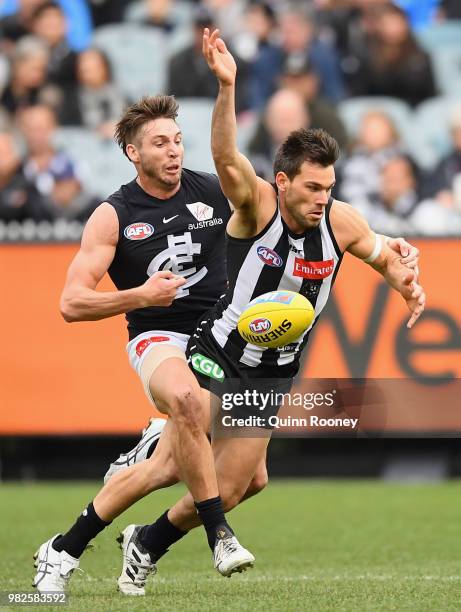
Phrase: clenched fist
(161, 288)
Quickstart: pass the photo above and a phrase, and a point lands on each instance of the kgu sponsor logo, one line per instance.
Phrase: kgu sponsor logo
(313, 269)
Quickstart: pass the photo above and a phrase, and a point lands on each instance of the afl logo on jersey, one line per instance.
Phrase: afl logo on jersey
(138, 231)
(269, 257)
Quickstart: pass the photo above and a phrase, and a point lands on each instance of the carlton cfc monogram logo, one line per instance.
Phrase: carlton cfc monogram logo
(138, 231)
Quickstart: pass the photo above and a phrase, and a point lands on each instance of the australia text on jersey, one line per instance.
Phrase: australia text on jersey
(204, 215)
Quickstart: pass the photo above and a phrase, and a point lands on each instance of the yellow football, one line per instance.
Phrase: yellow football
(275, 319)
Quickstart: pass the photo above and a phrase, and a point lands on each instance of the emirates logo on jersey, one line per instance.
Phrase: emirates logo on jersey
(313, 269)
(138, 231)
(201, 211)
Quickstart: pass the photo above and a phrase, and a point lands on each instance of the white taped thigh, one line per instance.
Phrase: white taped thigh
(156, 356)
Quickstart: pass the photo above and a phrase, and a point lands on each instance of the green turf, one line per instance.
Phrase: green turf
(318, 546)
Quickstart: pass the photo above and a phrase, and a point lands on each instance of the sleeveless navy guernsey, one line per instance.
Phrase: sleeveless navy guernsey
(184, 234)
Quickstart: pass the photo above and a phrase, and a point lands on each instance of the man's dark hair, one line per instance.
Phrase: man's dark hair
(138, 114)
(42, 8)
(311, 145)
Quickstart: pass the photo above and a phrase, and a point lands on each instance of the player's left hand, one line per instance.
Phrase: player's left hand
(409, 254)
(218, 58)
(413, 294)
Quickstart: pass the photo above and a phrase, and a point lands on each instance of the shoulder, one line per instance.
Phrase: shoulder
(347, 223)
(103, 225)
(121, 198)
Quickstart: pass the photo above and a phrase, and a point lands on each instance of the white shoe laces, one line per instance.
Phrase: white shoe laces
(142, 570)
(226, 545)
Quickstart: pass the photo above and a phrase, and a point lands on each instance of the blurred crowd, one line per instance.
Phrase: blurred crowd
(383, 77)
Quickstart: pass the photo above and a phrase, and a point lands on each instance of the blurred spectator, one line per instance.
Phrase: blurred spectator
(449, 9)
(27, 83)
(377, 142)
(262, 52)
(96, 102)
(77, 13)
(302, 77)
(352, 23)
(50, 25)
(159, 15)
(300, 42)
(52, 172)
(108, 11)
(448, 170)
(17, 24)
(396, 209)
(228, 15)
(392, 63)
(19, 199)
(421, 13)
(188, 72)
(285, 112)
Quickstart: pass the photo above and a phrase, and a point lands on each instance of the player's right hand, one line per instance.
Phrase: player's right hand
(218, 57)
(161, 288)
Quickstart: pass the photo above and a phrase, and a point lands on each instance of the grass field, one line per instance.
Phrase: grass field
(318, 545)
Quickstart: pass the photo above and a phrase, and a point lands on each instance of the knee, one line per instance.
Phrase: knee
(185, 407)
(258, 483)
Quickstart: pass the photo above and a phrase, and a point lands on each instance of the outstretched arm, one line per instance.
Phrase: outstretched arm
(236, 174)
(357, 238)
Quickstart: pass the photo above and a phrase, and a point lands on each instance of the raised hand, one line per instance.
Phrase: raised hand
(218, 58)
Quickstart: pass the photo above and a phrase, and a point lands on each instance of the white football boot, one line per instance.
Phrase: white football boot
(54, 568)
(229, 555)
(137, 563)
(149, 435)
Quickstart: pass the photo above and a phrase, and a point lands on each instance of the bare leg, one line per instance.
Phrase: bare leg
(258, 482)
(236, 461)
(135, 482)
(176, 392)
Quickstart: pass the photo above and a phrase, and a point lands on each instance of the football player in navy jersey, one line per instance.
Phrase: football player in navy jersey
(307, 231)
(161, 238)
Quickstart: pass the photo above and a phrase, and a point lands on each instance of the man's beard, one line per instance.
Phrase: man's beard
(164, 180)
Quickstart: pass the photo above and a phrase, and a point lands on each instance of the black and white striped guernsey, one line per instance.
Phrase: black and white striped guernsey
(275, 259)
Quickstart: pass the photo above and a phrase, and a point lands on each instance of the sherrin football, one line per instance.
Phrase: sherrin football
(275, 319)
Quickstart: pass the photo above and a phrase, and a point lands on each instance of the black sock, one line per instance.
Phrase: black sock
(212, 514)
(152, 447)
(156, 538)
(85, 528)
